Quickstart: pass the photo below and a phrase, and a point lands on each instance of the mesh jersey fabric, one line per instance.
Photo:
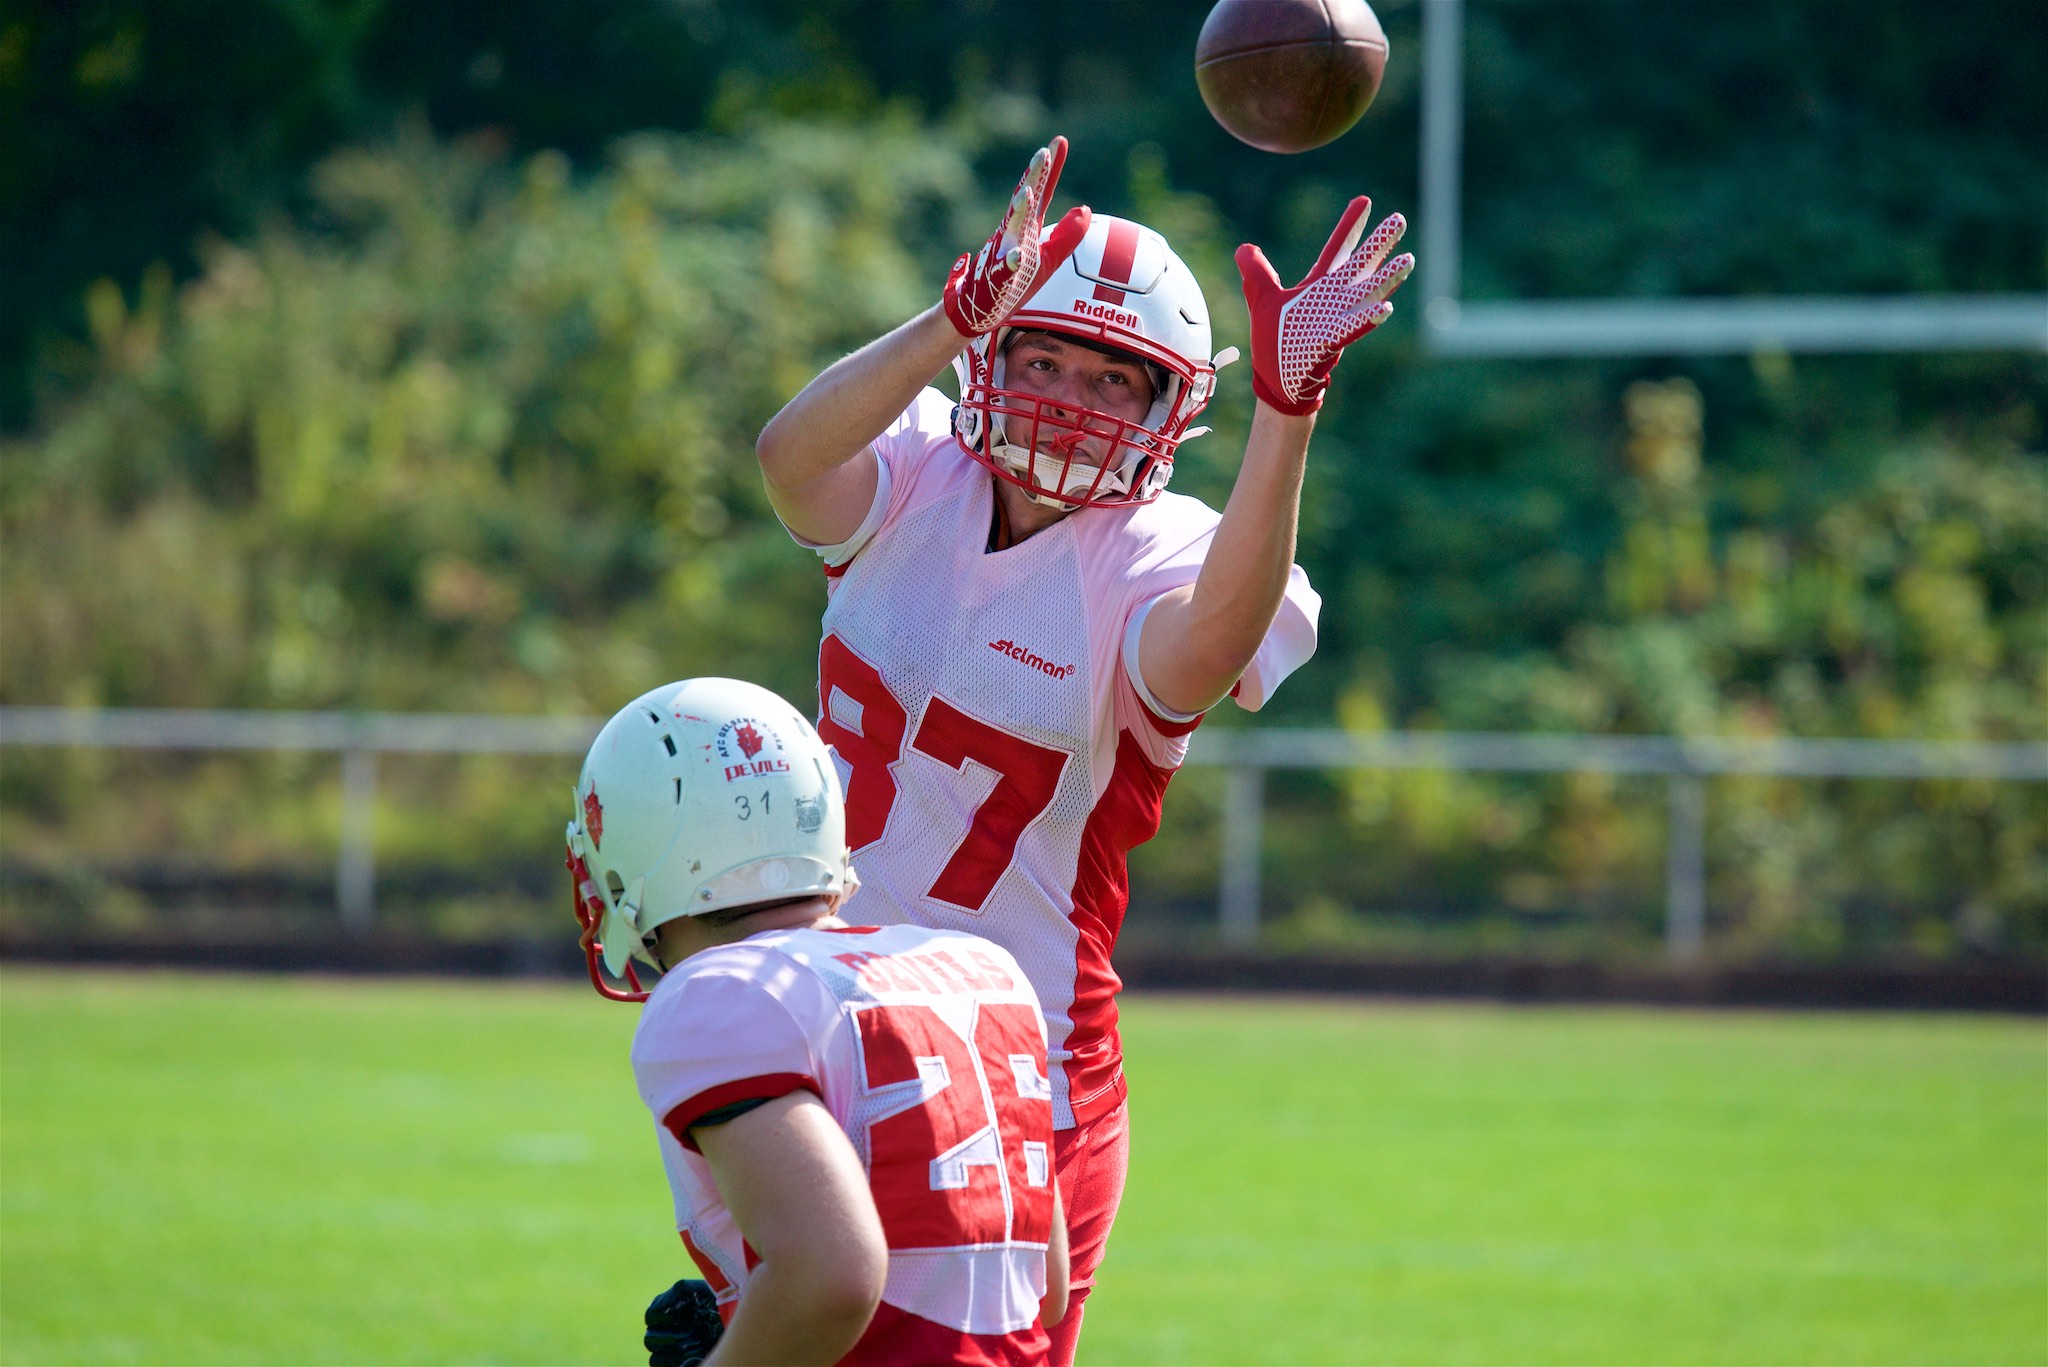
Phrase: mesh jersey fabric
(943, 662)
(793, 1009)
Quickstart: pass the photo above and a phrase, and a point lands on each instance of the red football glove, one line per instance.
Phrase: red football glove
(1298, 334)
(986, 287)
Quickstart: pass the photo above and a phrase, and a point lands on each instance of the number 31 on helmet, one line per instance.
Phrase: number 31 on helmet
(696, 797)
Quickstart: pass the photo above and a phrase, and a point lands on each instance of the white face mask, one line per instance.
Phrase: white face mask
(1078, 480)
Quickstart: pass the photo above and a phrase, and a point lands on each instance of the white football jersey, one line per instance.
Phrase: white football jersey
(929, 1050)
(1000, 752)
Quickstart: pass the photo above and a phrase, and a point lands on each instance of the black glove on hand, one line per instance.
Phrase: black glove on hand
(682, 1325)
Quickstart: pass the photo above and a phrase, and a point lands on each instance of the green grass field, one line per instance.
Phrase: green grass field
(228, 1170)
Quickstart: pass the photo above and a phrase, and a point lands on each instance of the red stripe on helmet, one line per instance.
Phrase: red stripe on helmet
(1119, 254)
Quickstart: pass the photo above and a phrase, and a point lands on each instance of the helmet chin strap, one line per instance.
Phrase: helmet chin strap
(1077, 479)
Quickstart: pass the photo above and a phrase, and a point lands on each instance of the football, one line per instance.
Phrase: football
(1289, 75)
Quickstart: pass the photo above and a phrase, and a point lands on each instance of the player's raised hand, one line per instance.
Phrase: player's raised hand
(987, 286)
(1298, 333)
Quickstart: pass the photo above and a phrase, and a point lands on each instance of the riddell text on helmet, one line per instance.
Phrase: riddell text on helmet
(1106, 313)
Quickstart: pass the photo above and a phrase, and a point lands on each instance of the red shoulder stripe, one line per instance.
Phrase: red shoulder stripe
(764, 1088)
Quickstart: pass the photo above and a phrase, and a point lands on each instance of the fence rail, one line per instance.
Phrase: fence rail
(1687, 763)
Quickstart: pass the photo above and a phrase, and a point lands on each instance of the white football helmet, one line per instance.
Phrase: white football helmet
(1123, 289)
(701, 795)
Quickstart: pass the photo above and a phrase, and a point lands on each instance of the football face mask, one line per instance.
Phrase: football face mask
(1123, 291)
(589, 906)
(1062, 452)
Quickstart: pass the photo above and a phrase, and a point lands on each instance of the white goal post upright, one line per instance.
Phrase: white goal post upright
(1454, 326)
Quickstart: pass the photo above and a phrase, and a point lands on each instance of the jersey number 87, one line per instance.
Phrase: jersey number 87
(1030, 773)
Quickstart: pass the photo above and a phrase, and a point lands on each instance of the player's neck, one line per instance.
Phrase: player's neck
(676, 940)
(1016, 517)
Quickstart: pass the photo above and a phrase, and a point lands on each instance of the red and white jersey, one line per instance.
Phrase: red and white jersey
(929, 1050)
(1000, 752)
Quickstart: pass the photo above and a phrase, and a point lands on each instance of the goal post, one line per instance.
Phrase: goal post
(1454, 326)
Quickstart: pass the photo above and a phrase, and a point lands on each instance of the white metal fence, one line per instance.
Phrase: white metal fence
(1686, 763)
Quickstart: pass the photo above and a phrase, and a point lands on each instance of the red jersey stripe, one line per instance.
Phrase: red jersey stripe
(684, 1114)
(1125, 816)
(1167, 727)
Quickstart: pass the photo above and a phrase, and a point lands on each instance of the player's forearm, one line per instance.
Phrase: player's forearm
(854, 400)
(1052, 1307)
(789, 1316)
(1198, 640)
(1244, 574)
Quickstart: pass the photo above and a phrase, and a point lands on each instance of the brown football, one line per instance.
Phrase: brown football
(1289, 75)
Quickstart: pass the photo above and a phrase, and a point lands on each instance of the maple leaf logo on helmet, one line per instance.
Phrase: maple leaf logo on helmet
(750, 748)
(593, 818)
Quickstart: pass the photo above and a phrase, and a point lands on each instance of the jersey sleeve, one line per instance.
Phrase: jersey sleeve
(1164, 719)
(1288, 643)
(733, 1030)
(901, 453)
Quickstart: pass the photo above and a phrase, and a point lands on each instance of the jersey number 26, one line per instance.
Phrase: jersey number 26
(971, 1163)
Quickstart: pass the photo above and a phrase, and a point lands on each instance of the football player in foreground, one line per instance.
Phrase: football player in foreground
(1022, 627)
(856, 1122)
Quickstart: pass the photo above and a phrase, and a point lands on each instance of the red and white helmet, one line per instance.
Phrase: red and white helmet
(1123, 288)
(698, 796)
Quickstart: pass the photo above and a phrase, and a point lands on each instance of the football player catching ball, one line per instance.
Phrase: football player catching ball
(1023, 626)
(856, 1121)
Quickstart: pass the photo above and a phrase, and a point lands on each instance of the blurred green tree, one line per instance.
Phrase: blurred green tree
(473, 435)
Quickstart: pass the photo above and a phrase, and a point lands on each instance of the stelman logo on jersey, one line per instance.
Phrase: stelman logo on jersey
(741, 743)
(1037, 662)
